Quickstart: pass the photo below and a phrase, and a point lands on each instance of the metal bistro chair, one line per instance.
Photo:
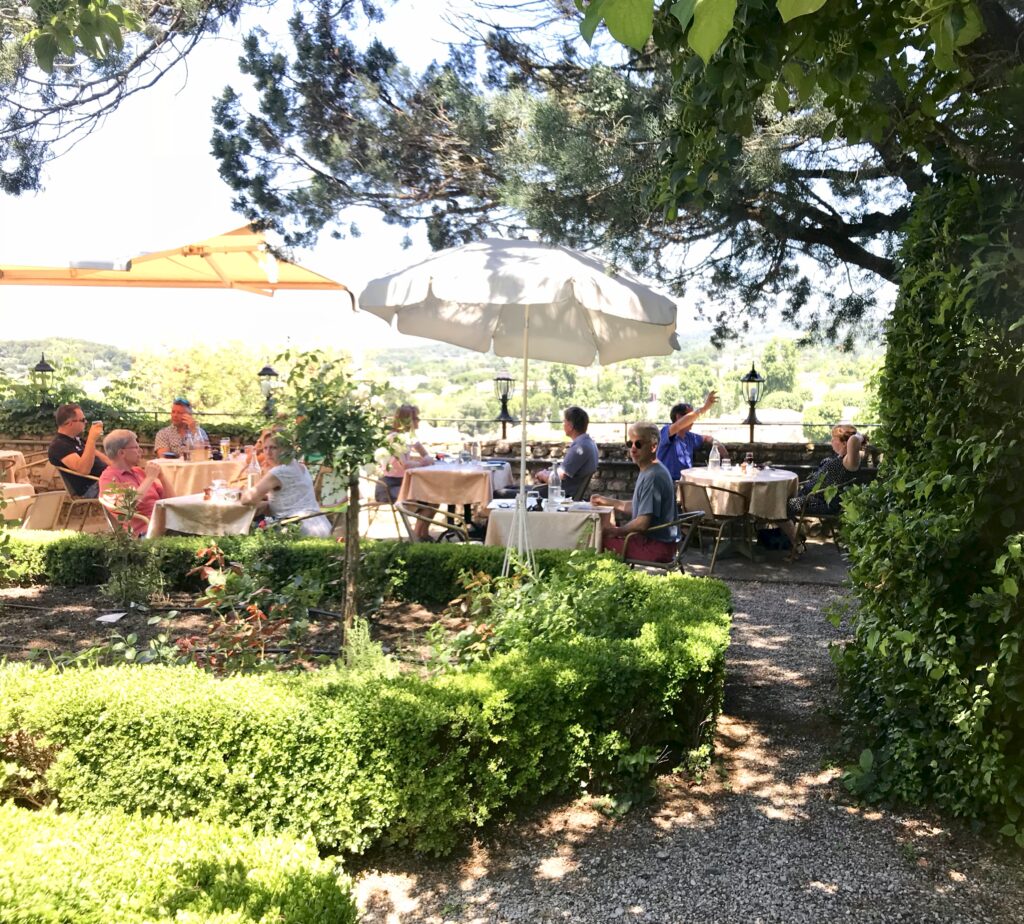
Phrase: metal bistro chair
(455, 526)
(685, 524)
(73, 503)
(115, 516)
(375, 498)
(829, 522)
(697, 498)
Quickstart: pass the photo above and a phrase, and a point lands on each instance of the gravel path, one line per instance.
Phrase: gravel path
(770, 835)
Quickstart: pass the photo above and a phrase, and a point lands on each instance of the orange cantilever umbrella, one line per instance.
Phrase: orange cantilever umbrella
(239, 259)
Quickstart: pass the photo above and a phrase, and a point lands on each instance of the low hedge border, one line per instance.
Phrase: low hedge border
(134, 870)
(425, 573)
(360, 759)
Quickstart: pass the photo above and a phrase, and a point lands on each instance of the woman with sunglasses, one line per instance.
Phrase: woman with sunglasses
(652, 506)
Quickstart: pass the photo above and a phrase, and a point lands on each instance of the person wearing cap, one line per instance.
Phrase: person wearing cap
(172, 438)
(678, 442)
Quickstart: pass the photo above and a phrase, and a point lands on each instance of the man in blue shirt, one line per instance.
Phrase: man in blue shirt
(678, 442)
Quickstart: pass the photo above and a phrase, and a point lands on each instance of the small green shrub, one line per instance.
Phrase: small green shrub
(132, 870)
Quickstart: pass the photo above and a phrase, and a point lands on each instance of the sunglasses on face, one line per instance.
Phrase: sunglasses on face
(635, 444)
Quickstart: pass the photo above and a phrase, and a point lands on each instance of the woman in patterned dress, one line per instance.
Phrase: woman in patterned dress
(836, 471)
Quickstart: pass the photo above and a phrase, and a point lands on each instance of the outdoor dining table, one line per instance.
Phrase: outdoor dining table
(12, 472)
(189, 477)
(764, 492)
(19, 497)
(575, 526)
(198, 517)
(455, 483)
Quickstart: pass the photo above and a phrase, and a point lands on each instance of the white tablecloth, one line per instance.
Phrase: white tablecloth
(443, 483)
(191, 477)
(19, 497)
(17, 473)
(764, 494)
(570, 529)
(191, 514)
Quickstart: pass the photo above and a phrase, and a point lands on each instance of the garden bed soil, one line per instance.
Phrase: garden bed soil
(62, 620)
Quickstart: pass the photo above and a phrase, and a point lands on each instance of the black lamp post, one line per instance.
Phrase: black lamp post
(753, 388)
(41, 376)
(503, 389)
(267, 377)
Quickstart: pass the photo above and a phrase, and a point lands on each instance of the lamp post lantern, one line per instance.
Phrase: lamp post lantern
(503, 385)
(41, 377)
(267, 377)
(753, 389)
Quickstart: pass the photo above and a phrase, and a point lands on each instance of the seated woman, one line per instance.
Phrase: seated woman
(836, 471)
(408, 453)
(287, 488)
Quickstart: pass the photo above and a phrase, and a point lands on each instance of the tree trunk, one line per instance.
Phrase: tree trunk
(351, 551)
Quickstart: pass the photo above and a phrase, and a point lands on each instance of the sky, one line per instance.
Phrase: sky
(145, 181)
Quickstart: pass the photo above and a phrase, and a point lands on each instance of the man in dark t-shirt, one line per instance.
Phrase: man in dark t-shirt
(80, 456)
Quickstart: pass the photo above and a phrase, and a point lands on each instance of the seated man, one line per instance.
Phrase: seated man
(125, 455)
(652, 506)
(580, 460)
(68, 450)
(172, 438)
(678, 442)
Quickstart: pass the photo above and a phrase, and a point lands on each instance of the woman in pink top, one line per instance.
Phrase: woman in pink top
(408, 453)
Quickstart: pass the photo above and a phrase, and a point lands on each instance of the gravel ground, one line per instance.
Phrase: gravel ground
(768, 836)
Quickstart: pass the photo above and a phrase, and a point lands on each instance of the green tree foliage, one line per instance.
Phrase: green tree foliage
(92, 54)
(778, 364)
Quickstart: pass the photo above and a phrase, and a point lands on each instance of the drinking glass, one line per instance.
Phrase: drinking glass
(532, 500)
(225, 448)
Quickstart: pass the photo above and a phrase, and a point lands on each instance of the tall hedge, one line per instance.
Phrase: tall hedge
(935, 673)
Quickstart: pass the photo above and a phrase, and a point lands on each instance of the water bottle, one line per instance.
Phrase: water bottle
(714, 457)
(252, 472)
(555, 486)
(187, 446)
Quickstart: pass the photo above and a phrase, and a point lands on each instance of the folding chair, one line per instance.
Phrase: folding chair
(581, 491)
(115, 517)
(455, 526)
(45, 510)
(334, 515)
(685, 525)
(829, 522)
(697, 498)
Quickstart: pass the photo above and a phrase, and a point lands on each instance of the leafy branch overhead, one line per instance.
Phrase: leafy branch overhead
(93, 28)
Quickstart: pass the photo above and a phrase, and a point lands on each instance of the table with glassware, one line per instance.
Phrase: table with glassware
(560, 526)
(220, 514)
(764, 491)
(189, 477)
(455, 482)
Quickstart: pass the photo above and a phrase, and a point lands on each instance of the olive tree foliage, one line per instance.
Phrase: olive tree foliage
(66, 64)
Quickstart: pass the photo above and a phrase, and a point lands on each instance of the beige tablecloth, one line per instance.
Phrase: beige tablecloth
(191, 477)
(764, 495)
(568, 529)
(17, 473)
(19, 498)
(454, 484)
(191, 514)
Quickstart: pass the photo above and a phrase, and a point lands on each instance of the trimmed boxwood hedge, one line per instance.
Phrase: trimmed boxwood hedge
(426, 573)
(358, 759)
(132, 870)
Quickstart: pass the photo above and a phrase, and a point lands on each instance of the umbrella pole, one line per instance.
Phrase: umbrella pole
(519, 537)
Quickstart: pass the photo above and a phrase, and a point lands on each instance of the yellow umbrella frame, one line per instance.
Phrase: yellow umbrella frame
(239, 259)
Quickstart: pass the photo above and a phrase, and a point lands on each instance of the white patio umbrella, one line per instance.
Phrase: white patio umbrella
(521, 298)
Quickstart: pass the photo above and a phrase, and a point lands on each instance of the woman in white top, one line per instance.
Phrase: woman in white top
(287, 488)
(408, 453)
